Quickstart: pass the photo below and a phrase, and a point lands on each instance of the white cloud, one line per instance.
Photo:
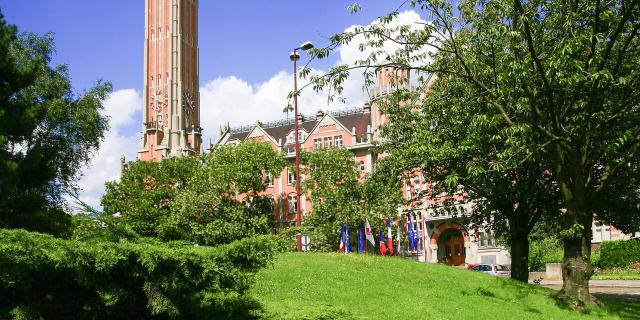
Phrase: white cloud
(351, 52)
(123, 108)
(234, 100)
(222, 99)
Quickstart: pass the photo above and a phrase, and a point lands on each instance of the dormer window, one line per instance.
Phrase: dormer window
(291, 137)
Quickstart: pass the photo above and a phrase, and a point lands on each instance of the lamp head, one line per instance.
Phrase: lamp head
(306, 46)
(294, 56)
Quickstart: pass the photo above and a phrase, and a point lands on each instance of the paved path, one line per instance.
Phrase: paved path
(605, 289)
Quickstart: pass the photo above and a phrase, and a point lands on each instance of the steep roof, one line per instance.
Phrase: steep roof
(278, 130)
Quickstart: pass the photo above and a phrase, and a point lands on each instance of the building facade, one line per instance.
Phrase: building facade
(171, 99)
(443, 235)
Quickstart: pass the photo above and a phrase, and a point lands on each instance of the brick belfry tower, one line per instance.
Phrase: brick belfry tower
(171, 98)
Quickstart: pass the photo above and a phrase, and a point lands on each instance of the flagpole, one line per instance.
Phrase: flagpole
(366, 246)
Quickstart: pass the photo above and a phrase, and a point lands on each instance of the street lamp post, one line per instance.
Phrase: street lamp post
(294, 57)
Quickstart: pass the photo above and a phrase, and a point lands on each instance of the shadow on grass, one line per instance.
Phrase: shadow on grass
(613, 304)
(626, 310)
(315, 312)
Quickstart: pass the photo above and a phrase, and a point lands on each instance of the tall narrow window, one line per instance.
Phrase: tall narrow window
(418, 188)
(362, 166)
(317, 143)
(268, 179)
(293, 204)
(338, 140)
(408, 190)
(328, 142)
(291, 177)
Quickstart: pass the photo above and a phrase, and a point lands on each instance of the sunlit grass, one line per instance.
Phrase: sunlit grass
(334, 286)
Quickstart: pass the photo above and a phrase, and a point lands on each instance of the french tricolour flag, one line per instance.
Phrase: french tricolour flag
(341, 247)
(389, 237)
(383, 248)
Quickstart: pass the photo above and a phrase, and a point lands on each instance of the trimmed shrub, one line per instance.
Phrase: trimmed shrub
(619, 253)
(42, 277)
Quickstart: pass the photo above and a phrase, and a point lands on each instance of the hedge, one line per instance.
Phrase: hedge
(619, 253)
(42, 277)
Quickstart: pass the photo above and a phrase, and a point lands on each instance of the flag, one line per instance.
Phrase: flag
(361, 240)
(347, 239)
(412, 239)
(341, 247)
(418, 236)
(368, 233)
(398, 235)
(389, 237)
(383, 248)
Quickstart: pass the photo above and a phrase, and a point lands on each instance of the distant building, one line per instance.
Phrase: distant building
(171, 127)
(603, 232)
(444, 237)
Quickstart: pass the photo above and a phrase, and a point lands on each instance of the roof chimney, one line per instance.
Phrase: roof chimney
(300, 118)
(319, 114)
(367, 107)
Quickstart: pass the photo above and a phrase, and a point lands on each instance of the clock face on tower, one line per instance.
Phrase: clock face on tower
(189, 108)
(189, 103)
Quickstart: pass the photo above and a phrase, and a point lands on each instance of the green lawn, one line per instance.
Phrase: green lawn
(334, 286)
(616, 274)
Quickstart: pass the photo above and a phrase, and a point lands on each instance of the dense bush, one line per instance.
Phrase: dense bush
(618, 254)
(213, 199)
(42, 277)
(547, 250)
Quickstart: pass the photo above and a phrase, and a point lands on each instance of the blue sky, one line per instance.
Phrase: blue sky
(248, 39)
(245, 72)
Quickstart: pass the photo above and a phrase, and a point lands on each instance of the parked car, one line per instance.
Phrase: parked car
(493, 269)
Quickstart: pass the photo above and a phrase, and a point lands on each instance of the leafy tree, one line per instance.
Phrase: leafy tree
(145, 191)
(340, 194)
(210, 209)
(46, 132)
(441, 136)
(197, 199)
(562, 76)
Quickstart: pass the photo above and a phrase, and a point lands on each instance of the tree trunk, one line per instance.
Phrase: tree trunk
(520, 256)
(576, 266)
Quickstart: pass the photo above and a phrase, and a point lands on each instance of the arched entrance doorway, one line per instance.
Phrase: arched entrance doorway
(451, 249)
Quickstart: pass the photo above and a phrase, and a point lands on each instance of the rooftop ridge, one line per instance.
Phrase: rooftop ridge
(305, 118)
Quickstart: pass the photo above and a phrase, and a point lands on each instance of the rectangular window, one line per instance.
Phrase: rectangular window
(408, 190)
(486, 239)
(417, 188)
(268, 179)
(293, 204)
(291, 177)
(362, 166)
(317, 143)
(328, 142)
(338, 140)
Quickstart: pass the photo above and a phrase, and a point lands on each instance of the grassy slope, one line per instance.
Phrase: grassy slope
(333, 286)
